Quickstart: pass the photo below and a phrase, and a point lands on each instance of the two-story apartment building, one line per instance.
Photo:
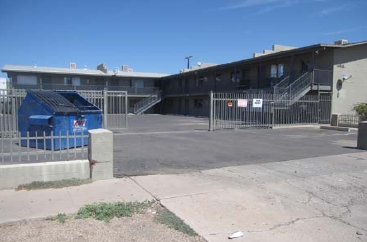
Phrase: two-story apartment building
(338, 69)
(138, 85)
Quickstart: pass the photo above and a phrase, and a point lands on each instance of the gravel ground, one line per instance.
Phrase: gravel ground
(141, 227)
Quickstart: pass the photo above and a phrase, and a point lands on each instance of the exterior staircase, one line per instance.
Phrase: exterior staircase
(287, 93)
(143, 105)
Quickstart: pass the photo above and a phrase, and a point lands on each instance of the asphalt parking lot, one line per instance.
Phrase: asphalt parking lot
(157, 144)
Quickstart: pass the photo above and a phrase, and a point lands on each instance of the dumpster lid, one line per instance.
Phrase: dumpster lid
(55, 101)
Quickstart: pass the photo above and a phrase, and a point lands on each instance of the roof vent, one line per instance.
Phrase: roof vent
(115, 70)
(341, 42)
(72, 65)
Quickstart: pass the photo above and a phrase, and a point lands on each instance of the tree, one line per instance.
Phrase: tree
(361, 110)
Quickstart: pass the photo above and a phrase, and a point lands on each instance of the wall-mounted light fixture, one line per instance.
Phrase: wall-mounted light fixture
(339, 83)
(346, 77)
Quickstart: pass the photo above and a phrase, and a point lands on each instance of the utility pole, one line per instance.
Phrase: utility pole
(188, 61)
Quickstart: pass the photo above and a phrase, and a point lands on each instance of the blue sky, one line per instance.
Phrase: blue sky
(155, 36)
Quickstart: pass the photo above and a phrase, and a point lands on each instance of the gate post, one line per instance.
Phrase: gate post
(126, 110)
(211, 111)
(105, 106)
(272, 104)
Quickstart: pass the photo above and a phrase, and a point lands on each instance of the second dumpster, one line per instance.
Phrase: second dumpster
(63, 116)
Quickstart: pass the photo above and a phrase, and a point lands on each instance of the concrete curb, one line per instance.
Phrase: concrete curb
(297, 127)
(335, 128)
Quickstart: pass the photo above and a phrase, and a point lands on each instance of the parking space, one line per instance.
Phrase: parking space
(158, 144)
(165, 123)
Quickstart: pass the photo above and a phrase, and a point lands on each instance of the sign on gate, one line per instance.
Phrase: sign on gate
(266, 110)
(242, 103)
(257, 103)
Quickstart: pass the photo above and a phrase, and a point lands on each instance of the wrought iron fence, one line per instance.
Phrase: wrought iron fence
(240, 110)
(348, 120)
(113, 104)
(41, 147)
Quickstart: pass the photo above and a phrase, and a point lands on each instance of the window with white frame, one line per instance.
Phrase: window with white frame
(276, 70)
(280, 70)
(273, 71)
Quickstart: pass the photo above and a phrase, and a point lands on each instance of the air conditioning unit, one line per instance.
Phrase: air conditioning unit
(72, 65)
(341, 42)
(125, 68)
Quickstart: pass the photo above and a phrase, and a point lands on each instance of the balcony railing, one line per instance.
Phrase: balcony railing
(45, 86)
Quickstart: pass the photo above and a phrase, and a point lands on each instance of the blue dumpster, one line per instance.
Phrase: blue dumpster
(57, 115)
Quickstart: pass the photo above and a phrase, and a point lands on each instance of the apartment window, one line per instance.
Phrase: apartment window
(27, 80)
(218, 77)
(277, 71)
(75, 81)
(137, 83)
(273, 71)
(280, 70)
(68, 80)
(236, 76)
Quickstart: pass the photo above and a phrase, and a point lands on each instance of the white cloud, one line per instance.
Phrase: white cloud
(335, 9)
(266, 6)
(251, 3)
(343, 31)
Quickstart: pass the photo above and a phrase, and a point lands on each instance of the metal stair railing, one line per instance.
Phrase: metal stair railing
(299, 86)
(280, 88)
(148, 102)
(283, 92)
(286, 96)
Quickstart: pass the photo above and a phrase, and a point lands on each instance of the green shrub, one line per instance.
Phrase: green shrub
(107, 211)
(164, 216)
(361, 110)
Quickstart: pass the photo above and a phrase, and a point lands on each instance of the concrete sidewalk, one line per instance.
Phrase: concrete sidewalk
(315, 199)
(18, 205)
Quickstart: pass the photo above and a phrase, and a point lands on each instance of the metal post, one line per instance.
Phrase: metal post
(126, 111)
(105, 106)
(272, 113)
(211, 111)
(318, 107)
(14, 114)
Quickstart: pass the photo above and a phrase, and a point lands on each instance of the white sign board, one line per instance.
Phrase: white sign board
(242, 103)
(257, 103)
